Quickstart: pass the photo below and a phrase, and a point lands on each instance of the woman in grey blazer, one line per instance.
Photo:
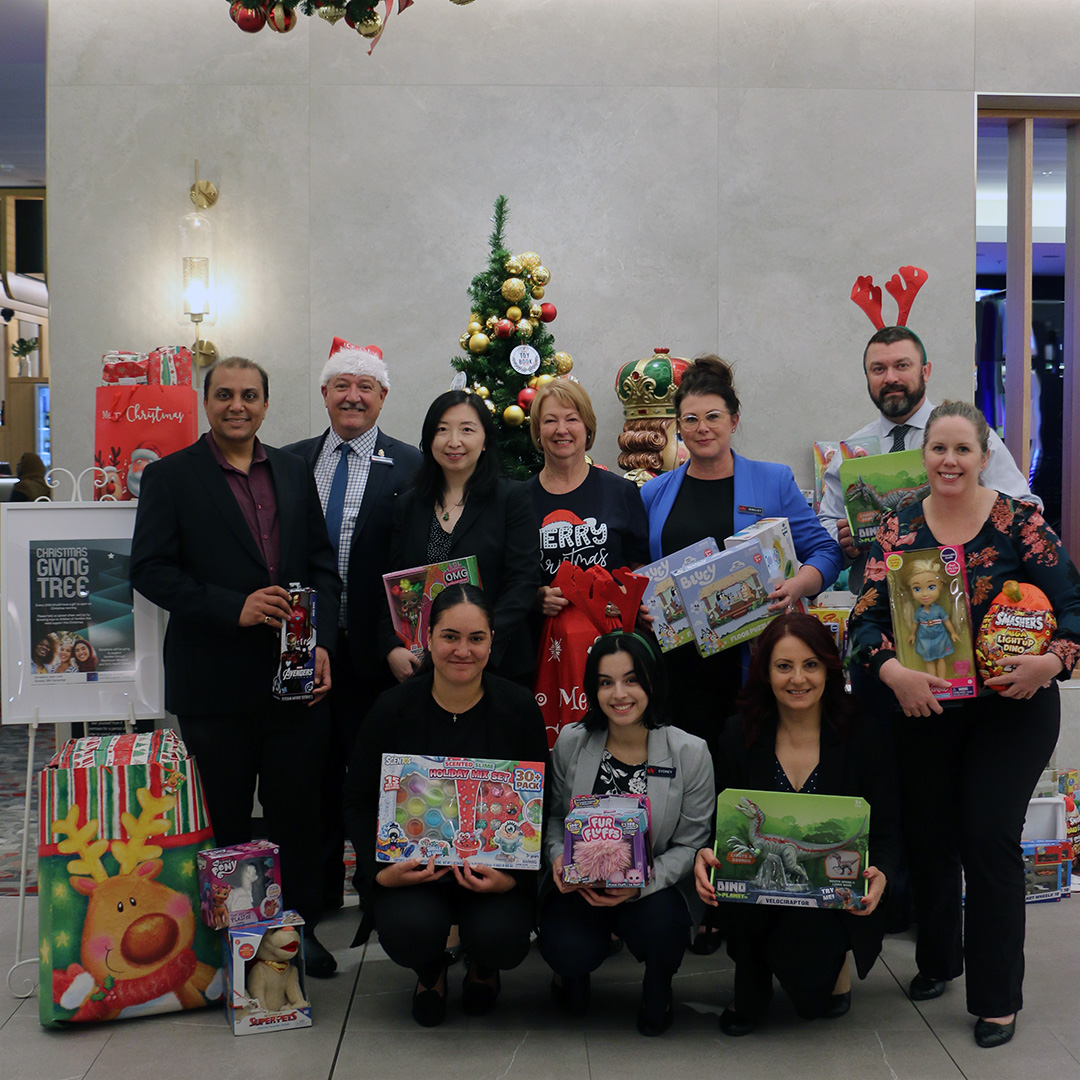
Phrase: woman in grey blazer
(623, 746)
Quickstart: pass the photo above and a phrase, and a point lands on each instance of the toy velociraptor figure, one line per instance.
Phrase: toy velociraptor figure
(782, 855)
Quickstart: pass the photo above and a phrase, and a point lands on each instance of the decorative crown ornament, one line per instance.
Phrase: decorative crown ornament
(647, 387)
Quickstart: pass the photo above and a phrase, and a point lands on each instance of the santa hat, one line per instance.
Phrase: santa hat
(346, 359)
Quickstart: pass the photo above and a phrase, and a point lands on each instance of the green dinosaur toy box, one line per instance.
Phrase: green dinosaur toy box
(791, 849)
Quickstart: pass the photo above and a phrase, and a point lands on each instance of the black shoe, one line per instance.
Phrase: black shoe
(652, 1020)
(839, 1005)
(318, 963)
(988, 1034)
(479, 994)
(453, 954)
(924, 988)
(735, 1024)
(708, 940)
(429, 1002)
(615, 946)
(572, 994)
(333, 902)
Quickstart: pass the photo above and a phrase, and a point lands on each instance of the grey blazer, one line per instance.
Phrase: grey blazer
(682, 805)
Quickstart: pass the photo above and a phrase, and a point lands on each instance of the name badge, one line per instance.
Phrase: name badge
(381, 459)
(666, 771)
(759, 510)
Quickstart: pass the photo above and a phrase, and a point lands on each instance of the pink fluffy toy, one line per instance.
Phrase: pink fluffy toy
(598, 860)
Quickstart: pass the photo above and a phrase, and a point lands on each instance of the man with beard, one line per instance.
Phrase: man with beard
(896, 369)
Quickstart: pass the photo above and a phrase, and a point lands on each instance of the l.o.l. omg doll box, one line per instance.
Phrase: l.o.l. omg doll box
(607, 843)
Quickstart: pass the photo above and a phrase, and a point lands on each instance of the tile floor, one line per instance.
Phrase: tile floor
(362, 1026)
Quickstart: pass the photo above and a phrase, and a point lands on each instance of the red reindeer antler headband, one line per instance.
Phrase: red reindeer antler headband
(868, 296)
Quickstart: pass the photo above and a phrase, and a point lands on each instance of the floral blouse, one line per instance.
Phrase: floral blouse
(1015, 543)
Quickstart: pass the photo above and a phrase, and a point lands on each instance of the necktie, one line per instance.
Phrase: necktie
(898, 434)
(335, 504)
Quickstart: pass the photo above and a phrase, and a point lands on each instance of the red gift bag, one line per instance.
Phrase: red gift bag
(568, 637)
(134, 425)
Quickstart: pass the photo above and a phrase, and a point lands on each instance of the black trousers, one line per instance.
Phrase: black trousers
(280, 749)
(966, 778)
(413, 923)
(575, 937)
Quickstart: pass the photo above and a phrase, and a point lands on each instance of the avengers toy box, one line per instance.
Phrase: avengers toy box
(726, 597)
(607, 842)
(457, 808)
(411, 593)
(791, 850)
(881, 482)
(930, 620)
(295, 677)
(774, 535)
(671, 626)
(265, 966)
(121, 821)
(240, 885)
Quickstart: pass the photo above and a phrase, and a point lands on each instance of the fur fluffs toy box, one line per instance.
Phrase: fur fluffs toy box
(454, 808)
(671, 626)
(240, 885)
(265, 966)
(791, 849)
(607, 842)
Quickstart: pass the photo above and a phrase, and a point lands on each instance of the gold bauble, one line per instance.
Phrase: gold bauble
(331, 13)
(541, 275)
(538, 292)
(530, 260)
(564, 363)
(513, 416)
(492, 320)
(543, 380)
(513, 289)
(463, 341)
(474, 316)
(479, 343)
(371, 26)
(513, 314)
(524, 328)
(490, 405)
(475, 326)
(513, 266)
(534, 311)
(482, 392)
(532, 382)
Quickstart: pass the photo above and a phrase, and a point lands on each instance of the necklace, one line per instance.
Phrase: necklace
(454, 715)
(446, 514)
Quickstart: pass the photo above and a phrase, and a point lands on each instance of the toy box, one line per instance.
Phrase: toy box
(864, 446)
(240, 885)
(411, 592)
(726, 597)
(1047, 870)
(457, 808)
(671, 627)
(246, 1013)
(930, 620)
(835, 620)
(774, 535)
(824, 452)
(881, 482)
(607, 842)
(791, 850)
(1068, 782)
(295, 676)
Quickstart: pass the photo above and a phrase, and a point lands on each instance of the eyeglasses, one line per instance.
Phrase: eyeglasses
(710, 419)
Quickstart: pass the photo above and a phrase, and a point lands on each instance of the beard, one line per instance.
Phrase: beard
(892, 404)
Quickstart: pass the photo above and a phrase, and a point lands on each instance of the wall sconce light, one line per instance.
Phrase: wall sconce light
(197, 265)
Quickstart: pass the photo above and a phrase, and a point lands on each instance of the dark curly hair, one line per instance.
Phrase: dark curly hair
(647, 667)
(708, 375)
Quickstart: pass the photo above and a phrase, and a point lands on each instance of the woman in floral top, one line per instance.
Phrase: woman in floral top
(967, 770)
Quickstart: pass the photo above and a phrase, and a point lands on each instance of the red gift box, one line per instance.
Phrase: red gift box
(124, 368)
(169, 365)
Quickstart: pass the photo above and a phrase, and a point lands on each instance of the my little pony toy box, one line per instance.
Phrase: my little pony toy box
(240, 885)
(607, 842)
(457, 808)
(791, 849)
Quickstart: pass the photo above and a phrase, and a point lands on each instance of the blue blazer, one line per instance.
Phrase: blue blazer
(762, 489)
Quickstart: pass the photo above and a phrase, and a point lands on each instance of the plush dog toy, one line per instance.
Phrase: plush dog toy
(274, 979)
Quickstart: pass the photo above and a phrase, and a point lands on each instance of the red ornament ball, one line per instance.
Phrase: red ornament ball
(250, 19)
(504, 328)
(547, 313)
(280, 19)
(525, 397)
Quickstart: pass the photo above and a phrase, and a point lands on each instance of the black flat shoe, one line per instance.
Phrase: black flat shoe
(988, 1034)
(429, 1003)
(839, 1005)
(572, 994)
(707, 941)
(478, 995)
(735, 1024)
(318, 963)
(923, 988)
(652, 1022)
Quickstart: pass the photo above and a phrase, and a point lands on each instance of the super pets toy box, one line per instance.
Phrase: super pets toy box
(726, 597)
(791, 849)
(265, 966)
(930, 620)
(457, 808)
(774, 535)
(240, 885)
(412, 592)
(295, 677)
(121, 821)
(671, 626)
(607, 842)
(880, 482)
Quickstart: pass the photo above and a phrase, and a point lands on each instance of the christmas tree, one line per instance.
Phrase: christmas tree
(508, 349)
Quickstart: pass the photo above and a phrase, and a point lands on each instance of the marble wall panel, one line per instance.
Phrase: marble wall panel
(1027, 48)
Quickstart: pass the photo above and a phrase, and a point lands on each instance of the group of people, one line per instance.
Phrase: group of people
(226, 524)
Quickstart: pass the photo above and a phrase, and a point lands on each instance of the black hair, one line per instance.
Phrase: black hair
(647, 667)
(708, 375)
(450, 597)
(430, 482)
(890, 335)
(242, 363)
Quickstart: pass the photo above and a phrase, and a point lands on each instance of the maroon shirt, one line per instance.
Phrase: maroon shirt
(255, 495)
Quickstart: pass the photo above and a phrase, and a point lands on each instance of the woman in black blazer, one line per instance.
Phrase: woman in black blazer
(459, 505)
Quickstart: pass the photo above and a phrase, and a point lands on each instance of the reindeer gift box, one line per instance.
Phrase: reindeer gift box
(121, 821)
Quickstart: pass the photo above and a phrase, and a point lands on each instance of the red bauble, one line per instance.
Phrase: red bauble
(280, 18)
(525, 397)
(250, 19)
(504, 328)
(547, 313)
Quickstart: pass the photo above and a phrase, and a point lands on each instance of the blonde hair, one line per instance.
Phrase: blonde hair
(571, 394)
(928, 565)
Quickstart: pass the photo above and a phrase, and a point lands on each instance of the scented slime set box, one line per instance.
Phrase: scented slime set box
(607, 842)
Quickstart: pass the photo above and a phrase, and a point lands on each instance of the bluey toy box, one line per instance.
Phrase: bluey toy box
(607, 842)
(671, 626)
(791, 849)
(881, 482)
(411, 593)
(240, 885)
(774, 535)
(295, 677)
(726, 597)
(271, 999)
(457, 808)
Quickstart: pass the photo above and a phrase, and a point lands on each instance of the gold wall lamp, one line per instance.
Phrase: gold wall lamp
(198, 264)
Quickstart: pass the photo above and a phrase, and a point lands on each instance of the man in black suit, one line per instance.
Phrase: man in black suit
(222, 527)
(357, 491)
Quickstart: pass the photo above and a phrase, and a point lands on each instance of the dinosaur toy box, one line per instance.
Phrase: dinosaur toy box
(121, 821)
(265, 966)
(670, 626)
(411, 592)
(880, 482)
(791, 849)
(607, 842)
(240, 885)
(774, 535)
(457, 808)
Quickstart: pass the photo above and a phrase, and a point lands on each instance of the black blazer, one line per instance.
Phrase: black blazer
(369, 555)
(855, 767)
(500, 531)
(193, 554)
